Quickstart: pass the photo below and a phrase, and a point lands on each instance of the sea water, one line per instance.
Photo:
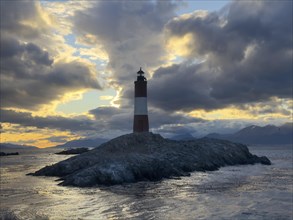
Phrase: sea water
(232, 192)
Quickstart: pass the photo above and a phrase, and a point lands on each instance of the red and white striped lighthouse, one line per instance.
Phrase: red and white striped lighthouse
(141, 120)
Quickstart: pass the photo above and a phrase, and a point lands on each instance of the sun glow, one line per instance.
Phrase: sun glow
(32, 136)
(179, 46)
(236, 113)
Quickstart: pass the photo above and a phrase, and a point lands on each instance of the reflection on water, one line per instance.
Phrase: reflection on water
(235, 192)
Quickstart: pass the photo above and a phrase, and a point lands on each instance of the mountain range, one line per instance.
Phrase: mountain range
(269, 134)
(184, 136)
(15, 146)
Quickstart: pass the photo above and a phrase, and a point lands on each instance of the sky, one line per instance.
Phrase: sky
(68, 67)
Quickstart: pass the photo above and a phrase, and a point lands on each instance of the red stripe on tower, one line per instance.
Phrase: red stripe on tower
(141, 120)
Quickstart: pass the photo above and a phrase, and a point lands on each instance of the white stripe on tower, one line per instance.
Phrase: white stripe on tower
(140, 106)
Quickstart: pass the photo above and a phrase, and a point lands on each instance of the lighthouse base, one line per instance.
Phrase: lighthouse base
(141, 123)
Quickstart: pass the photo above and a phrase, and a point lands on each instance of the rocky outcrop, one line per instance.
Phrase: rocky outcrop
(8, 154)
(147, 156)
(74, 151)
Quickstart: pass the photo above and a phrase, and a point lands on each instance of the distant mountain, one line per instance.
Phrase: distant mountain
(83, 143)
(269, 134)
(182, 137)
(15, 146)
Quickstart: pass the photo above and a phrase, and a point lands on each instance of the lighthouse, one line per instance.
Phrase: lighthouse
(141, 120)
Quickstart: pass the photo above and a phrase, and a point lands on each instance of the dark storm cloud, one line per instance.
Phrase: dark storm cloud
(129, 31)
(248, 58)
(181, 87)
(29, 77)
(52, 122)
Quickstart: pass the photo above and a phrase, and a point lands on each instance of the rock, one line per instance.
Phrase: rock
(74, 151)
(8, 154)
(264, 160)
(147, 156)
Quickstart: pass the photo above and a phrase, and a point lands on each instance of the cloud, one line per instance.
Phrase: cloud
(247, 53)
(122, 119)
(29, 78)
(105, 119)
(274, 106)
(23, 18)
(129, 32)
(181, 87)
(57, 139)
(11, 48)
(30, 75)
(160, 118)
(51, 122)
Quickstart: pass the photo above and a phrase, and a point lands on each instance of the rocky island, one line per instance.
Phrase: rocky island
(8, 154)
(74, 151)
(147, 156)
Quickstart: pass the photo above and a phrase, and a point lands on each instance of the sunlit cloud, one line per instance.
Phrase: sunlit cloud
(33, 136)
(106, 97)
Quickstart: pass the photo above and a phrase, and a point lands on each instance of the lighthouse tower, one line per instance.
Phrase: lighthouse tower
(141, 120)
